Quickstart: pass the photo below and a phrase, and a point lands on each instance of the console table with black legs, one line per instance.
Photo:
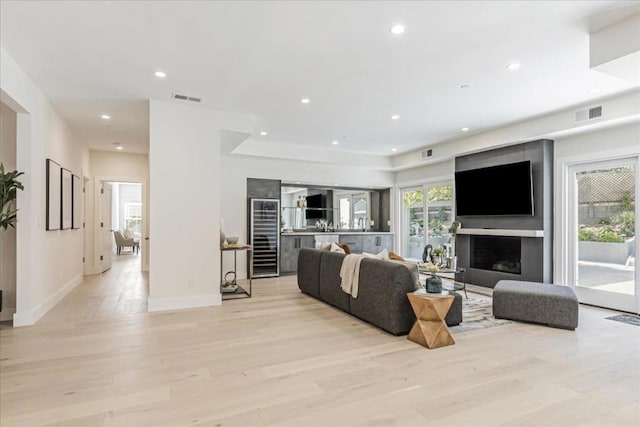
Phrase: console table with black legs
(239, 292)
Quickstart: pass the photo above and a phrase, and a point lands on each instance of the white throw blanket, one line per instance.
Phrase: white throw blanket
(350, 274)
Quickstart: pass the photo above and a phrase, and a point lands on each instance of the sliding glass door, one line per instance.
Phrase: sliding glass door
(426, 216)
(603, 223)
(413, 220)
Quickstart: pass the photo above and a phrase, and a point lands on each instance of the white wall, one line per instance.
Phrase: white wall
(49, 263)
(115, 166)
(236, 169)
(8, 237)
(184, 162)
(422, 174)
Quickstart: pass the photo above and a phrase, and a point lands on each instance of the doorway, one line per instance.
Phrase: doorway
(426, 213)
(119, 225)
(602, 223)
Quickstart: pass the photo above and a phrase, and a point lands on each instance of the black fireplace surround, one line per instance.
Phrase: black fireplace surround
(497, 253)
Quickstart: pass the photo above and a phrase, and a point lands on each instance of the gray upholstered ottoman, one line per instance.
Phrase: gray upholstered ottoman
(551, 305)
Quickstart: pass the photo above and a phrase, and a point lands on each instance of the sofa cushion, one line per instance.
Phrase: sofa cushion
(384, 254)
(336, 248)
(395, 257)
(309, 271)
(330, 290)
(345, 248)
(323, 246)
(382, 296)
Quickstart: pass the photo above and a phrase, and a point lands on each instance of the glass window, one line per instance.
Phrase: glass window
(133, 218)
(353, 210)
(419, 229)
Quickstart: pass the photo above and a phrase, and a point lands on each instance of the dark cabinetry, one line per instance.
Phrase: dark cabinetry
(290, 248)
(373, 244)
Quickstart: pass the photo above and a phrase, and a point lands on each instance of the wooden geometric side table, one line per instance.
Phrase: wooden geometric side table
(430, 330)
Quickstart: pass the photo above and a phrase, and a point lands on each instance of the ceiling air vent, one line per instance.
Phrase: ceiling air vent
(426, 153)
(185, 97)
(590, 114)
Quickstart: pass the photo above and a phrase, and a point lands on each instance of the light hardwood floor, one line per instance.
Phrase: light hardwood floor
(285, 359)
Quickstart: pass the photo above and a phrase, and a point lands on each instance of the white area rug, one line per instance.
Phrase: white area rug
(477, 314)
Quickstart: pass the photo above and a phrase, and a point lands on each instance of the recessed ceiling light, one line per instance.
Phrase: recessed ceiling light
(394, 149)
(397, 29)
(160, 74)
(119, 147)
(594, 90)
(305, 100)
(263, 133)
(465, 129)
(395, 117)
(298, 182)
(105, 117)
(514, 66)
(465, 87)
(335, 142)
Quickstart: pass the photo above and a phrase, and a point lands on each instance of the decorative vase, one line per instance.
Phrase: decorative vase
(222, 238)
(434, 285)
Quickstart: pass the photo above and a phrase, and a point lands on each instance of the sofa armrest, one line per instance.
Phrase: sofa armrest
(382, 296)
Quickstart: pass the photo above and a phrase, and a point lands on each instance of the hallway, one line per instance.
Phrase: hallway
(120, 291)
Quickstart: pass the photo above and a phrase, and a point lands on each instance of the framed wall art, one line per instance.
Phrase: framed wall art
(54, 195)
(76, 217)
(67, 199)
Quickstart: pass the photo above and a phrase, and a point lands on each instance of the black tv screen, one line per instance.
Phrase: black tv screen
(315, 202)
(497, 190)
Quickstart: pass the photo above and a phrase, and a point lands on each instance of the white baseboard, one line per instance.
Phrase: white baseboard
(7, 314)
(179, 303)
(27, 319)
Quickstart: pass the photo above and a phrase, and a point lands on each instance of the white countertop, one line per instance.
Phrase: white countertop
(320, 233)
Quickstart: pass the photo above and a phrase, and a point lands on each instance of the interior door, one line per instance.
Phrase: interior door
(603, 219)
(106, 234)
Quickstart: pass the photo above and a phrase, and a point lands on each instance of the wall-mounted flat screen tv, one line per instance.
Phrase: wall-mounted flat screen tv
(314, 204)
(497, 190)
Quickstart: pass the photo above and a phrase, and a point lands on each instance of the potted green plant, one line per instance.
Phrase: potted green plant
(438, 255)
(9, 185)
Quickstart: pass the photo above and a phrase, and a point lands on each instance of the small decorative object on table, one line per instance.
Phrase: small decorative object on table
(433, 282)
(229, 284)
(439, 255)
(232, 240)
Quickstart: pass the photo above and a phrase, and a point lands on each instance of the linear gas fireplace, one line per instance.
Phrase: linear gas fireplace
(496, 253)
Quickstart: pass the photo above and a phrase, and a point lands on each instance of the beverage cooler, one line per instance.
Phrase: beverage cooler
(264, 232)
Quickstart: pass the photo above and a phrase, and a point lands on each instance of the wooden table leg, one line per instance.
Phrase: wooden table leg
(430, 329)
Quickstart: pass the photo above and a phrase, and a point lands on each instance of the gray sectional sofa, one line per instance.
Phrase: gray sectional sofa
(382, 291)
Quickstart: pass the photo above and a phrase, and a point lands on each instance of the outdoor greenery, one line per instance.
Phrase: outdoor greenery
(413, 197)
(435, 194)
(440, 194)
(625, 222)
(613, 229)
(9, 185)
(436, 225)
(627, 201)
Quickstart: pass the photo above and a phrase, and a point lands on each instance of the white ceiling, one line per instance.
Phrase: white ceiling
(260, 58)
(128, 125)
